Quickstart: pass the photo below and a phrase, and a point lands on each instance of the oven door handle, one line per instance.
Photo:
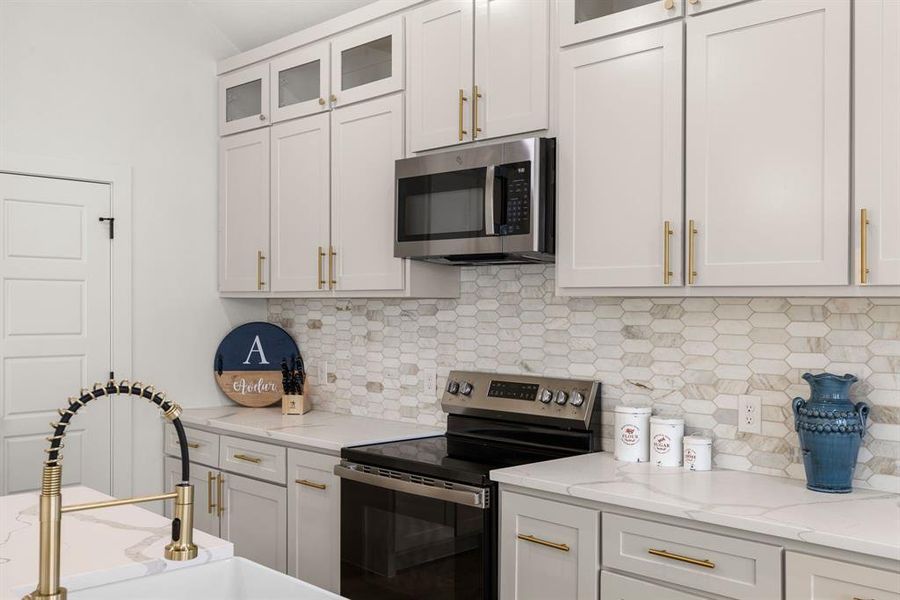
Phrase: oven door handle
(458, 493)
(489, 226)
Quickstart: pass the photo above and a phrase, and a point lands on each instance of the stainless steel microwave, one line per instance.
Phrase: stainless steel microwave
(491, 204)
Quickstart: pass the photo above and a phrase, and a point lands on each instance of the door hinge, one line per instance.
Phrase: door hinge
(112, 375)
(112, 226)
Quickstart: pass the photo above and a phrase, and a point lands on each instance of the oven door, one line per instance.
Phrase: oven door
(402, 538)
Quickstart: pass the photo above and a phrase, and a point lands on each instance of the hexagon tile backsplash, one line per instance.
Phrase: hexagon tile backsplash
(688, 356)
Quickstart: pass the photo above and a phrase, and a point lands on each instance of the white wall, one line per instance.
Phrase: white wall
(133, 83)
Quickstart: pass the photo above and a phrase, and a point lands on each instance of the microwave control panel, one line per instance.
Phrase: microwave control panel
(514, 181)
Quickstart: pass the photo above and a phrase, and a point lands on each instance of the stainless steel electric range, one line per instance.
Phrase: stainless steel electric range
(419, 517)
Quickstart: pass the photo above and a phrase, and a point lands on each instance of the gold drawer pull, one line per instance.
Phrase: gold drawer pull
(462, 98)
(260, 257)
(193, 445)
(332, 282)
(536, 540)
(708, 564)
(667, 236)
(692, 267)
(251, 459)
(312, 484)
(210, 505)
(320, 281)
(220, 484)
(864, 246)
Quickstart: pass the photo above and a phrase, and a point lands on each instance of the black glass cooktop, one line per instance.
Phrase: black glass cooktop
(451, 457)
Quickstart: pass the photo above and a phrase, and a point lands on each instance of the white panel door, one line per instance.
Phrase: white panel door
(366, 140)
(299, 82)
(620, 160)
(56, 315)
(300, 203)
(206, 517)
(768, 149)
(254, 519)
(815, 578)
(440, 73)
(314, 519)
(512, 50)
(244, 211)
(877, 137)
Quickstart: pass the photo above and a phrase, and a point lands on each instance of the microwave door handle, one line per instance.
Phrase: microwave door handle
(489, 228)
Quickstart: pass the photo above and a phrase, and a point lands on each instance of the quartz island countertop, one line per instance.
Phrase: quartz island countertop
(863, 521)
(98, 546)
(318, 430)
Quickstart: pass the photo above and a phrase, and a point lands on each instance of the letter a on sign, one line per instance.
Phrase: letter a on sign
(257, 347)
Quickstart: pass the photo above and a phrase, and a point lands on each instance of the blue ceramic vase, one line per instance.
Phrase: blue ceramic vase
(831, 428)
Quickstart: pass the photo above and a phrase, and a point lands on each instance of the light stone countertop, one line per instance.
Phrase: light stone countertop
(863, 521)
(98, 546)
(319, 430)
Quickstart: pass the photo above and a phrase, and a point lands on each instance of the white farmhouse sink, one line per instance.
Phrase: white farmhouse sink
(229, 579)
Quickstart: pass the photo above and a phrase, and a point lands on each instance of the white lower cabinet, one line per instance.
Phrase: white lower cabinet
(815, 578)
(547, 549)
(618, 587)
(206, 517)
(314, 519)
(253, 516)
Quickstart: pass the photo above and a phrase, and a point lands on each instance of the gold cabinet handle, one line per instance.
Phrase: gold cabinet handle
(259, 269)
(193, 445)
(863, 246)
(669, 4)
(320, 282)
(462, 98)
(220, 498)
(312, 484)
(667, 236)
(251, 459)
(694, 1)
(475, 128)
(708, 564)
(692, 271)
(210, 505)
(333, 98)
(332, 282)
(536, 540)
(321, 101)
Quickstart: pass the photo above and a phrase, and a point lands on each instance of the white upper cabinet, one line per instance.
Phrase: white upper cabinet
(299, 83)
(768, 149)
(366, 140)
(244, 211)
(441, 45)
(300, 203)
(877, 141)
(620, 161)
(582, 20)
(244, 99)
(367, 62)
(510, 93)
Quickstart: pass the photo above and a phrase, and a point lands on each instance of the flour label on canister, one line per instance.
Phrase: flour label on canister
(631, 434)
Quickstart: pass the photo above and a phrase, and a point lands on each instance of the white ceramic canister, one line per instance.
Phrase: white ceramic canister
(697, 453)
(666, 434)
(632, 433)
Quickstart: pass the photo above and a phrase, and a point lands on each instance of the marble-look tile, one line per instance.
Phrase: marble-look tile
(686, 351)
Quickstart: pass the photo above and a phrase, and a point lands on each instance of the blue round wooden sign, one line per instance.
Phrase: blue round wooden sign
(247, 364)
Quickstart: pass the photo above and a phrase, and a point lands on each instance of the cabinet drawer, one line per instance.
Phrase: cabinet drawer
(814, 578)
(203, 447)
(256, 459)
(713, 563)
(618, 587)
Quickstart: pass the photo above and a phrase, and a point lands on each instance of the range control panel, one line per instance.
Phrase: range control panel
(505, 395)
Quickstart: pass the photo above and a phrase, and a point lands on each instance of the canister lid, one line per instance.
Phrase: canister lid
(632, 410)
(697, 440)
(664, 420)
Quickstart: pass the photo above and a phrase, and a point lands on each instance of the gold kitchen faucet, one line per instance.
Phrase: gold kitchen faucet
(181, 547)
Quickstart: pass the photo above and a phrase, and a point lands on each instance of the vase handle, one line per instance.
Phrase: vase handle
(796, 405)
(862, 409)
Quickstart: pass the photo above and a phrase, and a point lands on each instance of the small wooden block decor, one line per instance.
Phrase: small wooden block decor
(247, 365)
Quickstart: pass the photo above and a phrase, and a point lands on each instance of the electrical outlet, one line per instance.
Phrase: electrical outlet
(429, 381)
(749, 414)
(322, 372)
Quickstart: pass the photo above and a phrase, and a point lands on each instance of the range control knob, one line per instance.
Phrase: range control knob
(453, 387)
(577, 399)
(546, 396)
(561, 397)
(465, 389)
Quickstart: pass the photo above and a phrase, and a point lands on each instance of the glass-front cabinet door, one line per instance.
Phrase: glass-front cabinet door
(367, 62)
(299, 85)
(244, 99)
(582, 20)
